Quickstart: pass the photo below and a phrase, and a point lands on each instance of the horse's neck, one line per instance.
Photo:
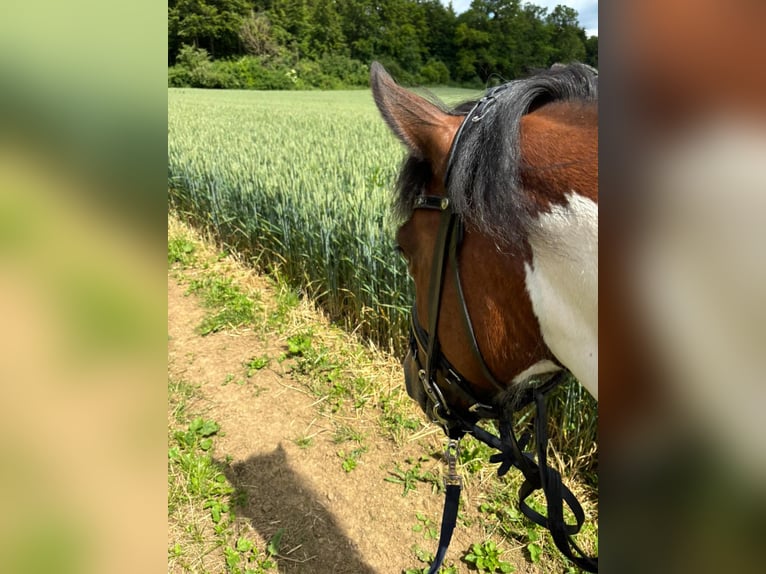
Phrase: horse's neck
(562, 281)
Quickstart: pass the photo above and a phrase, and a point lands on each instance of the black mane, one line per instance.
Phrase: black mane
(485, 171)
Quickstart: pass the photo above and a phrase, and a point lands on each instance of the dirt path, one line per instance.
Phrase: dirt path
(282, 449)
(334, 521)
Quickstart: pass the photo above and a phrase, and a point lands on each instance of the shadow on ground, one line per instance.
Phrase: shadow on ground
(273, 496)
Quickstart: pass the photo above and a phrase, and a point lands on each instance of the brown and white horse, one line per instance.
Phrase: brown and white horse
(523, 183)
(500, 202)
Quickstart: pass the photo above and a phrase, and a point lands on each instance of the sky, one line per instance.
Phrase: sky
(587, 10)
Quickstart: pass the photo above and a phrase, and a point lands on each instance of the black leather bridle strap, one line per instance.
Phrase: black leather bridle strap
(539, 476)
(449, 520)
(436, 284)
(465, 315)
(556, 494)
(453, 484)
(446, 247)
(450, 377)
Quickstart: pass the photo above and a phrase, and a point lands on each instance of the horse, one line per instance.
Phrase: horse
(499, 199)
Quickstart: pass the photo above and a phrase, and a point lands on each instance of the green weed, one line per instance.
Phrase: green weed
(179, 392)
(256, 364)
(410, 477)
(304, 441)
(244, 558)
(361, 391)
(298, 345)
(396, 417)
(198, 434)
(426, 526)
(346, 433)
(317, 363)
(181, 251)
(194, 474)
(287, 300)
(351, 459)
(486, 558)
(428, 558)
(230, 307)
(474, 455)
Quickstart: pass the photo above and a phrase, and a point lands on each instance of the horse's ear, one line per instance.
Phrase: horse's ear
(422, 126)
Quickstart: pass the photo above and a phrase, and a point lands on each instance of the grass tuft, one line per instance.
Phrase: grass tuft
(181, 252)
(230, 308)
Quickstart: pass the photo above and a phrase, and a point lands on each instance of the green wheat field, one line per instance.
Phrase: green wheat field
(301, 185)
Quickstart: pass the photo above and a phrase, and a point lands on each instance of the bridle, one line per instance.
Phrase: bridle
(426, 363)
(427, 366)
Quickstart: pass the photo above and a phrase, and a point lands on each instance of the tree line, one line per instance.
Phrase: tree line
(330, 43)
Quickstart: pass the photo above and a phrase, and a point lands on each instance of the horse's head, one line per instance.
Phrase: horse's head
(499, 203)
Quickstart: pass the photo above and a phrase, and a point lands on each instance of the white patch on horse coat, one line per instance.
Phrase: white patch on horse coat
(539, 368)
(562, 282)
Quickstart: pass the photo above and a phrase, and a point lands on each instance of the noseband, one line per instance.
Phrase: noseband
(427, 366)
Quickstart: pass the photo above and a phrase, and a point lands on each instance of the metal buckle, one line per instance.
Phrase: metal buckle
(482, 107)
(434, 202)
(451, 453)
(485, 103)
(440, 411)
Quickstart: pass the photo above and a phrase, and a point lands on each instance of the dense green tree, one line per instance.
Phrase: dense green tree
(567, 38)
(400, 33)
(291, 23)
(418, 40)
(501, 40)
(591, 51)
(439, 36)
(210, 24)
(535, 49)
(326, 33)
(473, 40)
(360, 21)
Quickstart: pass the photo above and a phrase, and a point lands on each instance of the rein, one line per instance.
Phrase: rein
(426, 364)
